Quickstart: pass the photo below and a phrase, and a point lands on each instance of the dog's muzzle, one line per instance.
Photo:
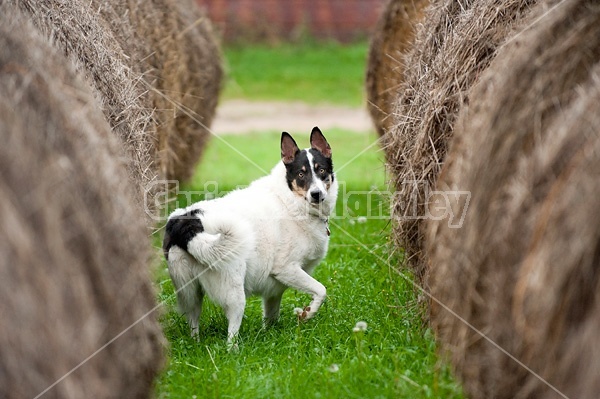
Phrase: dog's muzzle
(317, 196)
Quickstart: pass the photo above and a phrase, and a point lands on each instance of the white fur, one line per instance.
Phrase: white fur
(316, 184)
(259, 240)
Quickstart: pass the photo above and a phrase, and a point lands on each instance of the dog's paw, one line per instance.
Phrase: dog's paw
(303, 314)
(233, 347)
(195, 334)
(232, 344)
(269, 322)
(307, 314)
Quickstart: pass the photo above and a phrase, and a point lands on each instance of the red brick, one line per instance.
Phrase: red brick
(275, 20)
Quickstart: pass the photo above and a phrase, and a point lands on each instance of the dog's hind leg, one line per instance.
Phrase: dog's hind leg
(195, 312)
(225, 286)
(189, 299)
(184, 274)
(271, 307)
(295, 277)
(234, 311)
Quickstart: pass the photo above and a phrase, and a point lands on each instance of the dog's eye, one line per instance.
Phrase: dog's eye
(322, 171)
(300, 175)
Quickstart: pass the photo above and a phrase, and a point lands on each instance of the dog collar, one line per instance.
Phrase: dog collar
(326, 221)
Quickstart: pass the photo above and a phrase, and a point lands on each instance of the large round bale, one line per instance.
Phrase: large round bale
(171, 45)
(79, 31)
(453, 46)
(386, 62)
(75, 294)
(524, 268)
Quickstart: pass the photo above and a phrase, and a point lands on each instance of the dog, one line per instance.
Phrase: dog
(259, 240)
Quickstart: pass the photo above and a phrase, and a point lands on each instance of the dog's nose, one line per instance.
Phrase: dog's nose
(317, 196)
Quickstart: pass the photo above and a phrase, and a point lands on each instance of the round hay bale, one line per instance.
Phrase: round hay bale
(524, 268)
(172, 46)
(73, 273)
(453, 46)
(386, 62)
(88, 42)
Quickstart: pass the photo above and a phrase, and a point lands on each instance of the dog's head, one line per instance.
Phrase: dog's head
(309, 172)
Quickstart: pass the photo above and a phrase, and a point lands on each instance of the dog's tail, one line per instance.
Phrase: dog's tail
(212, 239)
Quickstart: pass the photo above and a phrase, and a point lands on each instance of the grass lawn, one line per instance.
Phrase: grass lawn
(323, 357)
(315, 73)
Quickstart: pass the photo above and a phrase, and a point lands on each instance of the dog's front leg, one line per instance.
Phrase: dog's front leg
(295, 277)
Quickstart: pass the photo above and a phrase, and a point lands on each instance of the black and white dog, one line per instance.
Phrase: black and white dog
(258, 240)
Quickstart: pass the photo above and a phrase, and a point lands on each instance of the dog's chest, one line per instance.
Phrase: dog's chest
(319, 239)
(309, 242)
(289, 243)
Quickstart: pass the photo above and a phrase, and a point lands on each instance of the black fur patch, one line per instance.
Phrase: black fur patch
(298, 171)
(323, 166)
(181, 229)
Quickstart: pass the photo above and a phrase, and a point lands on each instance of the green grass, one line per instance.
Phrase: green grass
(322, 358)
(315, 73)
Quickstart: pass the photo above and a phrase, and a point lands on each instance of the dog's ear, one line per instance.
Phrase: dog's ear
(289, 148)
(318, 142)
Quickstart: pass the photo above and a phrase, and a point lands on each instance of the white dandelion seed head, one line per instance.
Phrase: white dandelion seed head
(298, 311)
(360, 326)
(334, 368)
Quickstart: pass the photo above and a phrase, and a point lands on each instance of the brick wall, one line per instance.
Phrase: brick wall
(276, 20)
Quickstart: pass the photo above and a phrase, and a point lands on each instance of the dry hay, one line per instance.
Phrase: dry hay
(156, 70)
(524, 269)
(74, 247)
(456, 42)
(171, 45)
(88, 42)
(386, 63)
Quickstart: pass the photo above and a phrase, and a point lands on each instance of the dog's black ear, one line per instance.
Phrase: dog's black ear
(318, 142)
(289, 148)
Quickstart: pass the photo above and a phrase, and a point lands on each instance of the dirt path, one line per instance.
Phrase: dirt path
(241, 116)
